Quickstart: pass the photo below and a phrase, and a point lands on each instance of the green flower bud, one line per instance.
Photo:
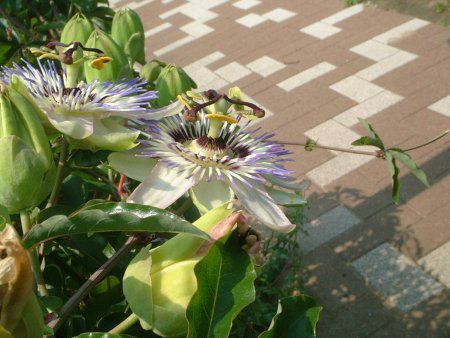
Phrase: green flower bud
(159, 283)
(117, 69)
(78, 28)
(151, 70)
(20, 314)
(171, 82)
(127, 30)
(26, 165)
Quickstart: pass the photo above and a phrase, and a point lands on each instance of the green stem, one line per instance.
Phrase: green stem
(126, 324)
(344, 150)
(59, 174)
(36, 266)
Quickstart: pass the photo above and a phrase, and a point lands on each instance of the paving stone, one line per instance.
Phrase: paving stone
(386, 65)
(196, 29)
(401, 31)
(326, 227)
(279, 15)
(337, 167)
(368, 108)
(332, 132)
(157, 29)
(436, 263)
(232, 72)
(344, 14)
(356, 88)
(246, 4)
(442, 106)
(265, 66)
(251, 20)
(396, 277)
(320, 30)
(306, 76)
(374, 50)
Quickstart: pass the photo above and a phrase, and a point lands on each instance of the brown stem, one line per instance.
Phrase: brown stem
(344, 150)
(429, 142)
(95, 278)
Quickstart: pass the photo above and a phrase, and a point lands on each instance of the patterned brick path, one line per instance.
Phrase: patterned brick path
(316, 66)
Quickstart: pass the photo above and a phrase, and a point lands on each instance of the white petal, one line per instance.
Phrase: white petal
(127, 163)
(158, 113)
(209, 195)
(257, 202)
(77, 127)
(285, 198)
(162, 187)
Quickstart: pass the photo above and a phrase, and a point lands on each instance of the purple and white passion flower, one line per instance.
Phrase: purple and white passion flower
(216, 160)
(92, 114)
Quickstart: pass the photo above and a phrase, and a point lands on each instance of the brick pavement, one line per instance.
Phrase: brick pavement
(316, 66)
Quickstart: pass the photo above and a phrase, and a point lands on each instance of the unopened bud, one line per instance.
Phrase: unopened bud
(78, 28)
(151, 70)
(171, 82)
(128, 32)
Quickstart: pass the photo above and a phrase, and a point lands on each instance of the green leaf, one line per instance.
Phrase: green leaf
(110, 216)
(394, 171)
(375, 139)
(310, 145)
(225, 279)
(408, 161)
(103, 335)
(296, 316)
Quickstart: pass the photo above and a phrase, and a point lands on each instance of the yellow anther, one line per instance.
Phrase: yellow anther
(222, 117)
(99, 62)
(180, 98)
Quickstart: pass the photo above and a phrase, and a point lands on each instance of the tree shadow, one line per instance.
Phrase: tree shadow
(411, 302)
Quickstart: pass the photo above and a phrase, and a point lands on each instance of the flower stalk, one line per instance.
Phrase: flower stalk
(59, 173)
(35, 265)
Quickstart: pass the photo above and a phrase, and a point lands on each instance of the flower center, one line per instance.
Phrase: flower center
(211, 148)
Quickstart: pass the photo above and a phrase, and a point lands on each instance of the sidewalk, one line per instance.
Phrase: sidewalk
(379, 270)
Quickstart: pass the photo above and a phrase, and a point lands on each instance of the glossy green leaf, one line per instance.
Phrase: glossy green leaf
(297, 316)
(225, 279)
(409, 162)
(373, 136)
(110, 216)
(394, 171)
(103, 335)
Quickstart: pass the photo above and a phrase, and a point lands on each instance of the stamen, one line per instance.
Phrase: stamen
(180, 98)
(222, 117)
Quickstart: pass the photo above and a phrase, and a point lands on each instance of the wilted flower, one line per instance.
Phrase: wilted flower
(216, 158)
(91, 114)
(19, 309)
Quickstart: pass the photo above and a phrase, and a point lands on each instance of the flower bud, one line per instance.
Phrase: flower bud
(117, 69)
(159, 283)
(20, 315)
(128, 32)
(151, 70)
(78, 28)
(26, 164)
(171, 82)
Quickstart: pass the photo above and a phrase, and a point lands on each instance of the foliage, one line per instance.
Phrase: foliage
(442, 6)
(23, 25)
(103, 264)
(353, 2)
